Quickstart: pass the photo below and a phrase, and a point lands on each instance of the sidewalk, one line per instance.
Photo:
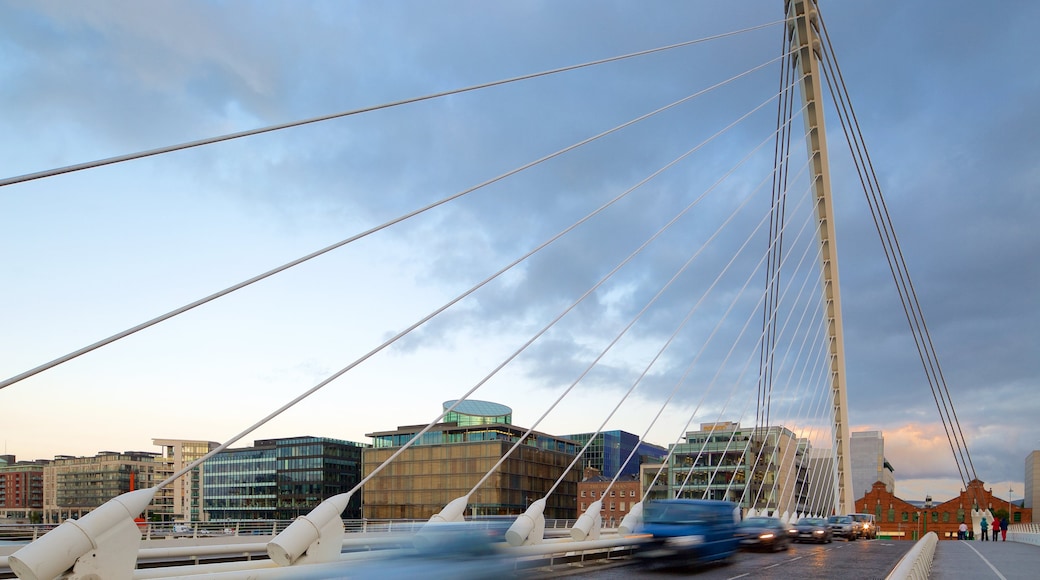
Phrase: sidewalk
(956, 560)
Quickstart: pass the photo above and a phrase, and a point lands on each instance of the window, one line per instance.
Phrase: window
(622, 506)
(583, 493)
(583, 506)
(632, 493)
(611, 506)
(611, 493)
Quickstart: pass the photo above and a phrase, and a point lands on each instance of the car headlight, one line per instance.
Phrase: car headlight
(685, 540)
(819, 532)
(765, 536)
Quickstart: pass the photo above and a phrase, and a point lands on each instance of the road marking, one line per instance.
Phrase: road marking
(784, 562)
(991, 566)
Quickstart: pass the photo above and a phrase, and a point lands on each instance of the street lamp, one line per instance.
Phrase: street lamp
(1009, 507)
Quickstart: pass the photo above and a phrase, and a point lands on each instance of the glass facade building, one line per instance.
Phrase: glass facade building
(450, 459)
(755, 467)
(281, 478)
(610, 450)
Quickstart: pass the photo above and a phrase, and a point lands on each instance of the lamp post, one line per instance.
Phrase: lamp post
(1010, 490)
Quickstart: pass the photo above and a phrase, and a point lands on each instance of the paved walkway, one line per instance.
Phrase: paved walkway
(956, 560)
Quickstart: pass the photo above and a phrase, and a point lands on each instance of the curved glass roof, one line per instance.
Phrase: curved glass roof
(478, 408)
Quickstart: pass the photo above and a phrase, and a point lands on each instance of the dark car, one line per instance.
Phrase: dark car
(762, 533)
(811, 530)
(842, 526)
(688, 531)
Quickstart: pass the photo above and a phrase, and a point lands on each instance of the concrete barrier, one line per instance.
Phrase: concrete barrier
(1024, 533)
(917, 563)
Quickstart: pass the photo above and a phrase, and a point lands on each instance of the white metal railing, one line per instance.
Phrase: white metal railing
(1024, 533)
(917, 563)
(163, 530)
(379, 541)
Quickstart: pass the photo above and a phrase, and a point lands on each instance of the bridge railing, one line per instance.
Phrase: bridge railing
(1024, 533)
(164, 530)
(917, 563)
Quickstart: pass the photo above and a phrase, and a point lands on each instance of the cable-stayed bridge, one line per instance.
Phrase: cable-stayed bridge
(702, 290)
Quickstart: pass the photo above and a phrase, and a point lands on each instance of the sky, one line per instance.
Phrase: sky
(945, 101)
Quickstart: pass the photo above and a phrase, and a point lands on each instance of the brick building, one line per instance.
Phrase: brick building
(21, 489)
(902, 519)
(617, 501)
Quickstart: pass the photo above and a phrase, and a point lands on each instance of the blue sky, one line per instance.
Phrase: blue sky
(946, 101)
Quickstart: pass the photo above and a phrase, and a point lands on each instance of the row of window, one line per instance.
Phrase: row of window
(631, 493)
(622, 507)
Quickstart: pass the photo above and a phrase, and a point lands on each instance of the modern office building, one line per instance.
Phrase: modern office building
(74, 486)
(21, 489)
(1031, 497)
(653, 481)
(280, 478)
(821, 499)
(867, 454)
(757, 468)
(450, 459)
(181, 500)
(613, 452)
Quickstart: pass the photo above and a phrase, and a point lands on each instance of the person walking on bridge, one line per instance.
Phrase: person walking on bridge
(984, 525)
(1003, 529)
(962, 531)
(996, 528)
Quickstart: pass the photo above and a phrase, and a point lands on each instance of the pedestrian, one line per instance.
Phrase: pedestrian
(962, 531)
(985, 529)
(1003, 529)
(996, 528)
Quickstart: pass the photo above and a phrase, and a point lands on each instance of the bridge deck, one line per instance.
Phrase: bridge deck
(977, 560)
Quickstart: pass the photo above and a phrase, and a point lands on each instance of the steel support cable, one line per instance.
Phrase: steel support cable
(900, 272)
(883, 208)
(805, 336)
(780, 153)
(429, 426)
(813, 488)
(770, 334)
(689, 367)
(125, 333)
(819, 359)
(821, 391)
(797, 331)
(803, 414)
(717, 327)
(459, 298)
(473, 289)
(678, 329)
(900, 276)
(369, 109)
(762, 337)
(725, 360)
(604, 279)
(889, 244)
(804, 310)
